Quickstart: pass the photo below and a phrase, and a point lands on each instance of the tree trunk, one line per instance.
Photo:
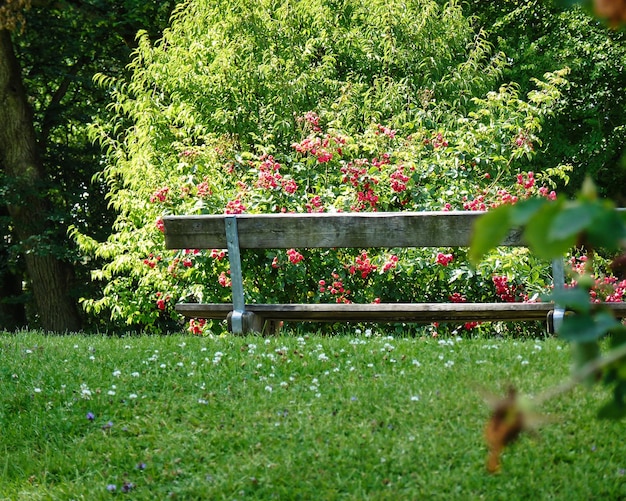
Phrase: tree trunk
(21, 163)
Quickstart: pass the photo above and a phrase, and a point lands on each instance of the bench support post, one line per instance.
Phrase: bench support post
(236, 275)
(558, 280)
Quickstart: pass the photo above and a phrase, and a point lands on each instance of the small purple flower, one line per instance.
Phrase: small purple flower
(622, 472)
(91, 416)
(141, 466)
(128, 486)
(111, 487)
(107, 426)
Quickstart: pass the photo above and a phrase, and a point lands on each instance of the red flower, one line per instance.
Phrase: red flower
(203, 189)
(457, 298)
(235, 207)
(196, 325)
(223, 280)
(505, 291)
(386, 131)
(217, 254)
(294, 256)
(160, 195)
(290, 186)
(391, 264)
(444, 259)
(363, 264)
(162, 300)
(324, 156)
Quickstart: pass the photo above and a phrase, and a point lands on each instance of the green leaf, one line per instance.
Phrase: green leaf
(607, 229)
(489, 231)
(523, 211)
(583, 328)
(575, 299)
(582, 354)
(571, 221)
(539, 227)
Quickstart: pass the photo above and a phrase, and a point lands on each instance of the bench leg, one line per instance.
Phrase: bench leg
(555, 319)
(256, 324)
(252, 323)
(550, 323)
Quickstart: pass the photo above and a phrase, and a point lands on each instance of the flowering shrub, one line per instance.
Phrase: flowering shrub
(362, 148)
(329, 170)
(604, 285)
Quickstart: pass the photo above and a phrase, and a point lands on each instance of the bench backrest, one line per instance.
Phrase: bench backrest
(327, 230)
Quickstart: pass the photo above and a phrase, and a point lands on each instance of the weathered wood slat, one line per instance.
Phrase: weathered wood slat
(386, 312)
(357, 230)
(392, 312)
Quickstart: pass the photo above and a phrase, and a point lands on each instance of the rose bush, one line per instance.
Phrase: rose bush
(220, 121)
(328, 170)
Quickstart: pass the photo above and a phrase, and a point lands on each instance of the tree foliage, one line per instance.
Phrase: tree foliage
(588, 128)
(59, 46)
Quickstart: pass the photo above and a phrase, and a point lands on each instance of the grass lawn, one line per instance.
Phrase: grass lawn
(360, 416)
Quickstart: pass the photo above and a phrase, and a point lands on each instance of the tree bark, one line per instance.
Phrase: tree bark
(21, 163)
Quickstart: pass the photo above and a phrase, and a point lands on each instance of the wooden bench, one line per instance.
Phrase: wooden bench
(349, 230)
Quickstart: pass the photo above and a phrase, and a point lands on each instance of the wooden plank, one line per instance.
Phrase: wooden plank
(215, 311)
(387, 312)
(358, 230)
(413, 312)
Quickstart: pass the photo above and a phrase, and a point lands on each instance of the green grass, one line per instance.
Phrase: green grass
(350, 417)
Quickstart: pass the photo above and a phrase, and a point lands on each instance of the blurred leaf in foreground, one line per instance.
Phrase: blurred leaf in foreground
(511, 415)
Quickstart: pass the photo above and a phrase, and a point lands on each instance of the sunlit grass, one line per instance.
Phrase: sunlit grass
(360, 416)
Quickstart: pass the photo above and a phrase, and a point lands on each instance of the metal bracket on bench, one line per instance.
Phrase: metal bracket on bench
(236, 276)
(555, 320)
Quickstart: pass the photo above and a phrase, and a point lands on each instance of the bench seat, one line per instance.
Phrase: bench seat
(385, 312)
